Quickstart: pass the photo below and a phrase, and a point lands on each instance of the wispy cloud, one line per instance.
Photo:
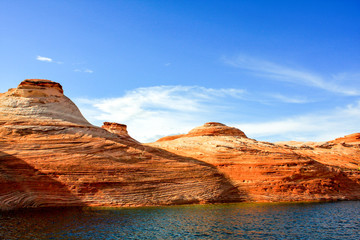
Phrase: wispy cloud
(47, 59)
(279, 72)
(287, 99)
(318, 126)
(167, 64)
(44, 59)
(83, 70)
(153, 112)
(158, 111)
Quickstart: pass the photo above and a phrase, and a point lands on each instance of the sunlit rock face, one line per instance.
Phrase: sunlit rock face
(209, 129)
(40, 100)
(50, 155)
(116, 128)
(265, 171)
(216, 129)
(349, 139)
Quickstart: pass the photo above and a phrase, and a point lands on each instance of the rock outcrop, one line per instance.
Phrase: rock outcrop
(116, 128)
(209, 129)
(349, 139)
(41, 101)
(342, 154)
(51, 156)
(270, 172)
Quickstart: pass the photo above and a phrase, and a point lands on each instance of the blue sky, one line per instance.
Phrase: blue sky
(278, 70)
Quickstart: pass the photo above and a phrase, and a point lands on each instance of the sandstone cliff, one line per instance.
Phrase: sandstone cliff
(273, 172)
(51, 156)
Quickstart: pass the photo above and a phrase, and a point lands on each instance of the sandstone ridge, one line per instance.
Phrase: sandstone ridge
(51, 156)
(209, 129)
(290, 171)
(41, 100)
(350, 139)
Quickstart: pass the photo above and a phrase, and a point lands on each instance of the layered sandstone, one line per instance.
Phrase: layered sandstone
(209, 129)
(116, 128)
(342, 153)
(51, 156)
(265, 171)
(41, 101)
(348, 139)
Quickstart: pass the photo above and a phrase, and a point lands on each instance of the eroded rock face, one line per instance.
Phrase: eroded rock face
(117, 128)
(349, 139)
(209, 129)
(216, 129)
(270, 172)
(51, 156)
(42, 101)
(39, 88)
(342, 152)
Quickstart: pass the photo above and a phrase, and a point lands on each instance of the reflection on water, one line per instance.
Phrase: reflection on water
(340, 220)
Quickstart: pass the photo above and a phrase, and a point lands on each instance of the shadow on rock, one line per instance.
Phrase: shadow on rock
(229, 192)
(23, 186)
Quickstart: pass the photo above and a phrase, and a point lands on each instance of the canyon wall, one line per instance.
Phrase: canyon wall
(274, 172)
(50, 155)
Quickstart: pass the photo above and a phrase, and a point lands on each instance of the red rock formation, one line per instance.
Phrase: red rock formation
(42, 101)
(51, 156)
(31, 85)
(216, 129)
(342, 154)
(270, 172)
(209, 129)
(117, 128)
(348, 139)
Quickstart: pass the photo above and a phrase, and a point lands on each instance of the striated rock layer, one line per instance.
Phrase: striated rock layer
(209, 129)
(116, 128)
(51, 156)
(265, 171)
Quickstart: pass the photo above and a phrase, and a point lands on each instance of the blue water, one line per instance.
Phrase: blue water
(338, 220)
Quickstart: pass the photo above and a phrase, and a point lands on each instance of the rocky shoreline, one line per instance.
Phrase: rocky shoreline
(51, 156)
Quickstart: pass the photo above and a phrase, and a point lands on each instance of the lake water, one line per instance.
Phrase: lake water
(338, 220)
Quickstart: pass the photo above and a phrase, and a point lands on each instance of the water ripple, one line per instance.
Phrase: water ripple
(339, 220)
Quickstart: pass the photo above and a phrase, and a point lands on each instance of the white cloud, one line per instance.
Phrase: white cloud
(83, 70)
(154, 112)
(88, 71)
(44, 59)
(287, 99)
(283, 73)
(158, 111)
(308, 127)
(167, 64)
